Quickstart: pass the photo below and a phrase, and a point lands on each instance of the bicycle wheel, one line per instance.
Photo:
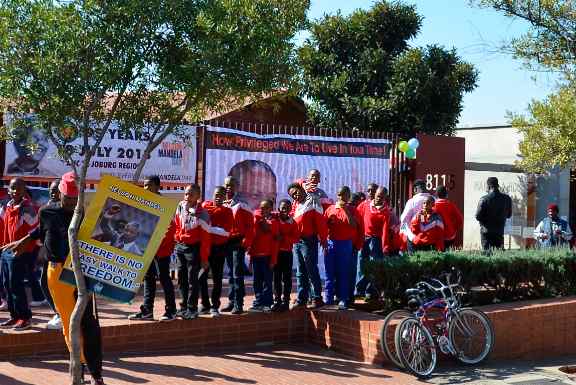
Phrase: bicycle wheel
(415, 347)
(387, 342)
(471, 335)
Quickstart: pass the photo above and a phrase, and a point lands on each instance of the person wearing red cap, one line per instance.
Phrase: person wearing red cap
(345, 232)
(221, 222)
(451, 216)
(553, 231)
(192, 249)
(264, 255)
(52, 230)
(18, 217)
(159, 268)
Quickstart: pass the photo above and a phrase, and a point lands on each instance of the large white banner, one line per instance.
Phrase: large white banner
(266, 164)
(174, 160)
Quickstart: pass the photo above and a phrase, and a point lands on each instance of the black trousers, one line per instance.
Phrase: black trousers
(235, 263)
(218, 255)
(413, 248)
(159, 268)
(492, 241)
(92, 338)
(188, 269)
(283, 277)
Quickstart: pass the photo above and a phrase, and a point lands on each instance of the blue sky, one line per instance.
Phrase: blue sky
(475, 33)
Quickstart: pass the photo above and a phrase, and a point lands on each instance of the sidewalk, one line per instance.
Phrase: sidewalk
(281, 366)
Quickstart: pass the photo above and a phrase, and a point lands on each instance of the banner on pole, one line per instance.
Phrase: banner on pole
(119, 236)
(34, 155)
(265, 165)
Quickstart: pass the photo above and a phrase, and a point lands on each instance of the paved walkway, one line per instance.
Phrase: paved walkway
(286, 366)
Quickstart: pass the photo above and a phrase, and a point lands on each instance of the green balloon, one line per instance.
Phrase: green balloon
(403, 146)
(411, 154)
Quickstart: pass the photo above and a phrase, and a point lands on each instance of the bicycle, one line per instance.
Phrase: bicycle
(453, 330)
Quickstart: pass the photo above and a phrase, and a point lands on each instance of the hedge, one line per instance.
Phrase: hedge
(506, 275)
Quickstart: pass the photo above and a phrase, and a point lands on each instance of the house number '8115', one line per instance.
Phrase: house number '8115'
(435, 180)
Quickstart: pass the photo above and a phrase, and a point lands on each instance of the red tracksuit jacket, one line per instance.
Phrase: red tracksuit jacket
(266, 237)
(193, 228)
(243, 221)
(377, 224)
(340, 228)
(167, 246)
(18, 221)
(451, 216)
(289, 234)
(310, 219)
(428, 230)
(221, 222)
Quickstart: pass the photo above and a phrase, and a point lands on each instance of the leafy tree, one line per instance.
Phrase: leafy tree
(360, 72)
(549, 45)
(79, 65)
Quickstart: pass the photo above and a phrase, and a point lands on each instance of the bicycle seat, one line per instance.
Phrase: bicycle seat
(412, 292)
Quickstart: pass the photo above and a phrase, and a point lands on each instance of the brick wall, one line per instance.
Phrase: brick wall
(523, 330)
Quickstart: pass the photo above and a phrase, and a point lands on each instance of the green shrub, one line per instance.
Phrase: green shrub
(509, 275)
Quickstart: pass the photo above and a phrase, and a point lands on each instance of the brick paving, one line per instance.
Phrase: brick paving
(302, 365)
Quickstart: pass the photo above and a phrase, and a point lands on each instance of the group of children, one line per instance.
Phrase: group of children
(207, 235)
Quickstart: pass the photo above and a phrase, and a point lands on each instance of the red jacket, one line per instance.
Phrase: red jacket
(167, 246)
(243, 221)
(340, 228)
(18, 221)
(310, 219)
(221, 222)
(428, 230)
(193, 228)
(451, 216)
(377, 224)
(266, 236)
(289, 234)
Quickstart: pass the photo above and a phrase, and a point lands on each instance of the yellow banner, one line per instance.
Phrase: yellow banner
(119, 236)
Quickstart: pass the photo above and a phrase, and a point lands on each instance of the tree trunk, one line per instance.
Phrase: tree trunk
(142, 163)
(82, 301)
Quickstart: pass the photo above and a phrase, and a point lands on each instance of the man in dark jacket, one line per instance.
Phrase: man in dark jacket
(493, 210)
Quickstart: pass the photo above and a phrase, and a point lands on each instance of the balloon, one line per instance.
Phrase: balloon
(413, 143)
(403, 146)
(411, 154)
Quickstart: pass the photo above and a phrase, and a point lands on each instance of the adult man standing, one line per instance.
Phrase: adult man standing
(493, 210)
(413, 207)
(553, 231)
(159, 268)
(451, 216)
(19, 218)
(240, 240)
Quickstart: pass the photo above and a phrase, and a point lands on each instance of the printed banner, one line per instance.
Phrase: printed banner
(34, 155)
(266, 164)
(119, 236)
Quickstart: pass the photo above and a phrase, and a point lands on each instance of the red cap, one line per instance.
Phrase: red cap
(553, 207)
(68, 185)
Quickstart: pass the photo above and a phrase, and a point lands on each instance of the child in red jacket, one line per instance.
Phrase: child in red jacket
(345, 232)
(451, 216)
(428, 229)
(221, 223)
(192, 249)
(263, 255)
(289, 235)
(160, 268)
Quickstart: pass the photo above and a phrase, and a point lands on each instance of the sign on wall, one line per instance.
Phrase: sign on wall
(34, 155)
(265, 165)
(118, 238)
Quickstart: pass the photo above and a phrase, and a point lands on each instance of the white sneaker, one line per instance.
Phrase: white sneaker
(55, 323)
(214, 313)
(38, 303)
(4, 305)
